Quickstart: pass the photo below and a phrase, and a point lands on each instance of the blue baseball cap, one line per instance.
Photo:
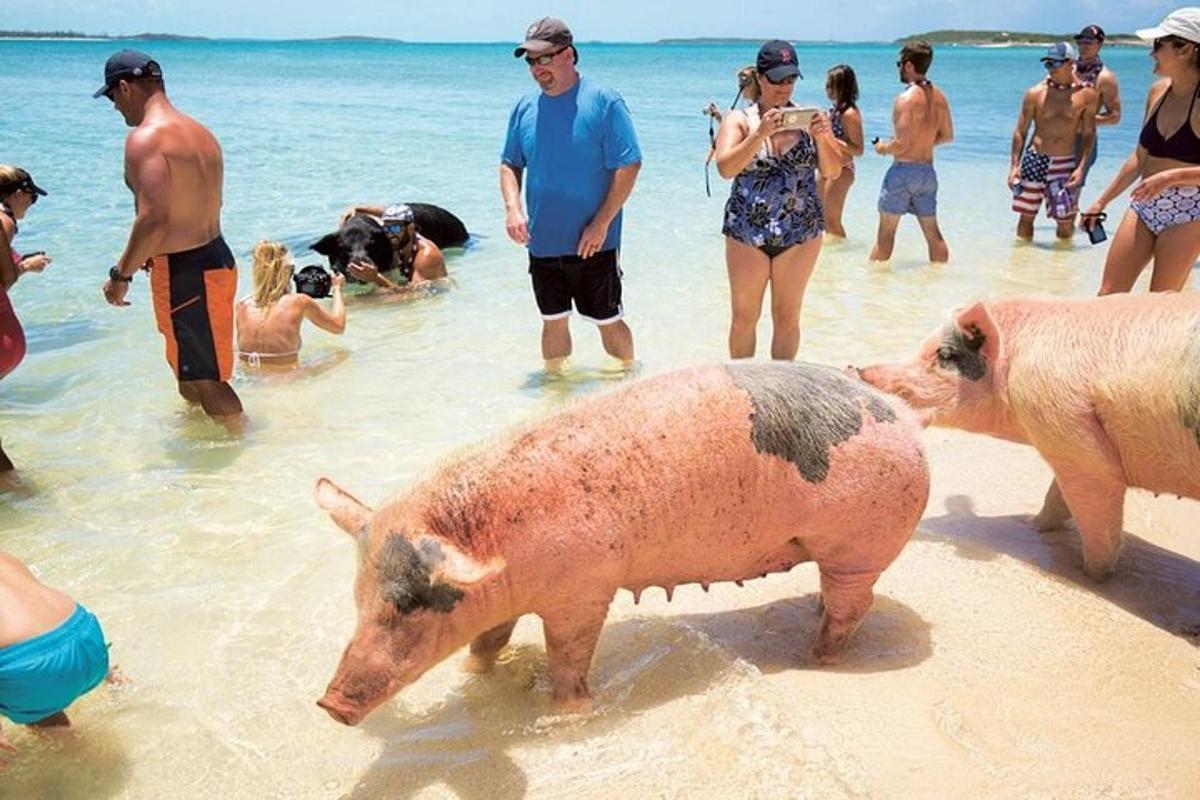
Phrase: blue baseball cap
(777, 61)
(126, 64)
(1061, 51)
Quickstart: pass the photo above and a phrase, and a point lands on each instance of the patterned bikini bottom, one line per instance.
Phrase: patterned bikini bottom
(1177, 205)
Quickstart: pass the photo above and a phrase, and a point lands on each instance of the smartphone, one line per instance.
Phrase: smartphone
(1096, 233)
(798, 119)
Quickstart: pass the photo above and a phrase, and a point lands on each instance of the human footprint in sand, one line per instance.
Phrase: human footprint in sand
(52, 651)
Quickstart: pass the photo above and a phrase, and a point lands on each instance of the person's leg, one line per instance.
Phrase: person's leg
(749, 269)
(1025, 227)
(617, 340)
(939, 251)
(885, 237)
(1131, 249)
(219, 401)
(556, 342)
(790, 272)
(835, 202)
(1175, 253)
(1065, 228)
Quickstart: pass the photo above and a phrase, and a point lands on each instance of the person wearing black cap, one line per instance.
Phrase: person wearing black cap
(174, 167)
(573, 143)
(1091, 71)
(18, 193)
(774, 219)
(921, 118)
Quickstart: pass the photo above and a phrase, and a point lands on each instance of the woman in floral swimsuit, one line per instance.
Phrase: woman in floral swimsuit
(774, 218)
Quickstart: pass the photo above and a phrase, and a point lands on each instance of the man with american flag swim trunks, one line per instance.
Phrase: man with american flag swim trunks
(1058, 107)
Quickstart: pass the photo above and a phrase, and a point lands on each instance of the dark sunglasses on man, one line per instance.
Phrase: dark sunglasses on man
(543, 59)
(1054, 63)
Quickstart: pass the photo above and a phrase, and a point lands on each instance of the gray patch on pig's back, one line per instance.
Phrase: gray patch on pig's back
(404, 577)
(1189, 399)
(802, 410)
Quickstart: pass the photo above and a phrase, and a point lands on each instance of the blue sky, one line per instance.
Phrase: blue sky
(609, 20)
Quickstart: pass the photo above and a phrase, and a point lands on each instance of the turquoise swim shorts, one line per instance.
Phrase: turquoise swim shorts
(41, 676)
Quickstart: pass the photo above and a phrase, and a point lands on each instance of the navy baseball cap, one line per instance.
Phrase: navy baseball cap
(1092, 33)
(126, 64)
(777, 61)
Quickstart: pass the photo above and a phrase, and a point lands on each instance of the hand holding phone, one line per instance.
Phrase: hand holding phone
(797, 119)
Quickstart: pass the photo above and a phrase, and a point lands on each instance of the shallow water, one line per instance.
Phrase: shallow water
(988, 665)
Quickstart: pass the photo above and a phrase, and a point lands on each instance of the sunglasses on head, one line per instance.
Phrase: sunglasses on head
(543, 59)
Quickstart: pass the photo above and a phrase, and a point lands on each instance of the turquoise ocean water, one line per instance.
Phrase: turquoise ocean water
(225, 592)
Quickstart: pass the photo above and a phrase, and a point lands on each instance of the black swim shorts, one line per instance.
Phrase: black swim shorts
(593, 284)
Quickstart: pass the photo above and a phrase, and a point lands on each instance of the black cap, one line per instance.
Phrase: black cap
(777, 61)
(21, 180)
(1094, 32)
(544, 34)
(126, 64)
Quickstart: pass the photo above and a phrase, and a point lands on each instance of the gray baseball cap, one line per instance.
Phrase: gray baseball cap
(1061, 51)
(545, 34)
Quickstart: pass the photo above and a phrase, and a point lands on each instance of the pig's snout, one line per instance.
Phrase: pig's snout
(339, 710)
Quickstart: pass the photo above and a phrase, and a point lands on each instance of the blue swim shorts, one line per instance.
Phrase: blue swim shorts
(909, 188)
(41, 676)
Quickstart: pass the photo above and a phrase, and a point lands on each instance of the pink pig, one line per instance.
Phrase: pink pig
(1107, 389)
(718, 473)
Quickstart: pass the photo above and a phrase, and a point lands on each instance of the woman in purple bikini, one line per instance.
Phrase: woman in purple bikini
(1163, 220)
(841, 86)
(774, 219)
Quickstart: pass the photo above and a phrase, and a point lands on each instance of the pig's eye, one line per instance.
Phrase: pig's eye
(947, 356)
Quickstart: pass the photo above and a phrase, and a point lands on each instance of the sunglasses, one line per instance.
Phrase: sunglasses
(1054, 63)
(543, 59)
(788, 81)
(1174, 41)
(394, 228)
(27, 189)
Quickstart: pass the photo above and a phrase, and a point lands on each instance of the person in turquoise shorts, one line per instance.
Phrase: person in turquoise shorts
(52, 651)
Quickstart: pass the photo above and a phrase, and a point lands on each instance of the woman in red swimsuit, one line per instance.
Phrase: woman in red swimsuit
(17, 193)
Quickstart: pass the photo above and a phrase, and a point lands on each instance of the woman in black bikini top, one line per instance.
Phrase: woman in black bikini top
(1163, 220)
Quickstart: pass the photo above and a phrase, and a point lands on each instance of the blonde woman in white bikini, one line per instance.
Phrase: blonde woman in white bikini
(268, 321)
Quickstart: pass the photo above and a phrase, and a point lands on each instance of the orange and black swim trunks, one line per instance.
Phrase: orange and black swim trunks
(193, 304)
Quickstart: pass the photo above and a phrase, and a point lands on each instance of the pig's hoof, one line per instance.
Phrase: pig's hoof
(827, 656)
(1100, 572)
(478, 665)
(1044, 523)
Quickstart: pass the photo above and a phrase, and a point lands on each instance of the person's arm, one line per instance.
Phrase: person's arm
(149, 174)
(428, 261)
(619, 189)
(829, 149)
(945, 134)
(515, 221)
(737, 144)
(1110, 98)
(1154, 185)
(1087, 132)
(1133, 166)
(333, 320)
(853, 144)
(900, 142)
(1024, 118)
(374, 211)
(369, 273)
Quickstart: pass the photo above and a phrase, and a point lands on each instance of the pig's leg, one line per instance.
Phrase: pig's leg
(847, 598)
(571, 637)
(1097, 502)
(487, 646)
(1054, 513)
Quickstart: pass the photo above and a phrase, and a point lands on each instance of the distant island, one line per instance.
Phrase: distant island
(144, 37)
(365, 39)
(1002, 38)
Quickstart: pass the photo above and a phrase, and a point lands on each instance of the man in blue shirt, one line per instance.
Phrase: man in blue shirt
(575, 140)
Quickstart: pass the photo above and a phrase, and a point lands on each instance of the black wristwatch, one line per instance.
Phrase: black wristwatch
(115, 275)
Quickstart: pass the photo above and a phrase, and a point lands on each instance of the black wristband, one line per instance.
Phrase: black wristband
(115, 275)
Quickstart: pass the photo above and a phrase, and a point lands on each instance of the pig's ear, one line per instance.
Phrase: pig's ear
(449, 564)
(325, 245)
(979, 330)
(350, 514)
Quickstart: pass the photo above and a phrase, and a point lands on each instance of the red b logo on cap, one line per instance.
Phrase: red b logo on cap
(785, 56)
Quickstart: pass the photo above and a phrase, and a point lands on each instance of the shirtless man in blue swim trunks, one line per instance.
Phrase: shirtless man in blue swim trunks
(52, 651)
(921, 118)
